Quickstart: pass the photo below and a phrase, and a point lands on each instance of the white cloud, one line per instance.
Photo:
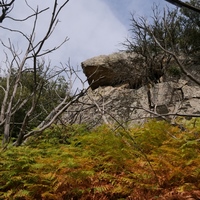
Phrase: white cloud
(90, 24)
(92, 28)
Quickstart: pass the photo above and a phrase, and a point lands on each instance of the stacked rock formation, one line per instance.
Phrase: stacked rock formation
(120, 94)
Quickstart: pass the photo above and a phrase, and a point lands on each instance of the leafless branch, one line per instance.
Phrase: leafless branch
(177, 60)
(183, 4)
(5, 9)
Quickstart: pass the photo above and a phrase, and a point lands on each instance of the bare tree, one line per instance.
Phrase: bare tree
(153, 59)
(167, 40)
(16, 65)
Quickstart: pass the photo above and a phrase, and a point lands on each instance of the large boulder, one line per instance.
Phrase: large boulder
(119, 68)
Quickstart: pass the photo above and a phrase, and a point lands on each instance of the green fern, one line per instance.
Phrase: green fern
(102, 163)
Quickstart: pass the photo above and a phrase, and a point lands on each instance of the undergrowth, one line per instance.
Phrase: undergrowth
(155, 161)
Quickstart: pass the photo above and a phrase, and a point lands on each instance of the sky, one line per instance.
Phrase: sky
(94, 27)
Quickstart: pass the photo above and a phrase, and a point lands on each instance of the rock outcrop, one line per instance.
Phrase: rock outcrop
(119, 68)
(130, 106)
(124, 90)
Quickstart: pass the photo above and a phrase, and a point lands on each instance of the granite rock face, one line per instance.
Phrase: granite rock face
(125, 90)
(124, 105)
(117, 69)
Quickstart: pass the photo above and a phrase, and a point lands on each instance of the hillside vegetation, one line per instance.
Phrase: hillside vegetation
(154, 161)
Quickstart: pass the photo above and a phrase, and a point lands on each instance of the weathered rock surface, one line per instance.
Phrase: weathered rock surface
(118, 68)
(120, 91)
(125, 105)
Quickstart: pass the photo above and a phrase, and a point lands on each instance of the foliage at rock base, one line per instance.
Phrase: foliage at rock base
(155, 161)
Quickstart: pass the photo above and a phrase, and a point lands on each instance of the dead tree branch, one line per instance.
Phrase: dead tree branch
(184, 5)
(5, 9)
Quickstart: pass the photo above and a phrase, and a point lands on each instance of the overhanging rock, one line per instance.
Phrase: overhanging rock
(119, 68)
